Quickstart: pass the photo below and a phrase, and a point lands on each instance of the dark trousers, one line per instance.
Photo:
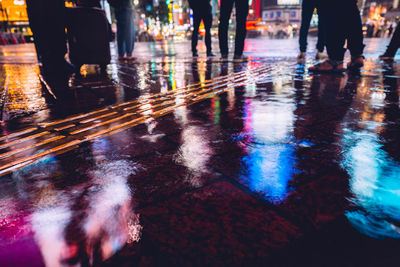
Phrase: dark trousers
(125, 31)
(242, 10)
(198, 16)
(394, 44)
(339, 28)
(47, 21)
(307, 12)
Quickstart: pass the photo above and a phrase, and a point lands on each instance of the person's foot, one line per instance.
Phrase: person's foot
(195, 54)
(386, 56)
(240, 58)
(356, 63)
(130, 57)
(59, 69)
(224, 56)
(302, 55)
(301, 58)
(210, 54)
(328, 66)
(320, 55)
(62, 69)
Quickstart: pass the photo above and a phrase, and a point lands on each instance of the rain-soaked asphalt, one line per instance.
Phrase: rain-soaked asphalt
(170, 161)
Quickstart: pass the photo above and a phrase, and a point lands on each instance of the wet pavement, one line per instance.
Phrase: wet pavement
(170, 161)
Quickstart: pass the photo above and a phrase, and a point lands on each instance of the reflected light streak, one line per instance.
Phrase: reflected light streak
(195, 152)
(24, 89)
(270, 160)
(48, 225)
(270, 168)
(110, 214)
(216, 105)
(375, 185)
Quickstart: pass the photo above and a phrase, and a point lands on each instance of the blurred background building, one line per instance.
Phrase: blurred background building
(380, 17)
(282, 16)
(14, 22)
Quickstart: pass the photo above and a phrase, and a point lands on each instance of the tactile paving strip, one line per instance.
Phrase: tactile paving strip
(22, 148)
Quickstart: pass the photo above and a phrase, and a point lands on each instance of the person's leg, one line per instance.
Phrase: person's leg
(47, 20)
(306, 15)
(195, 34)
(121, 29)
(354, 34)
(130, 32)
(336, 37)
(207, 20)
(394, 44)
(225, 14)
(335, 28)
(242, 10)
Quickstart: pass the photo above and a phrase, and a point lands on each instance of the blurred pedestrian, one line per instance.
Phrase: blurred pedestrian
(124, 14)
(202, 11)
(390, 30)
(242, 10)
(348, 27)
(378, 32)
(393, 46)
(47, 20)
(370, 29)
(308, 7)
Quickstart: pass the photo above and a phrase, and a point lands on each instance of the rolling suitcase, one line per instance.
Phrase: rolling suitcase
(88, 35)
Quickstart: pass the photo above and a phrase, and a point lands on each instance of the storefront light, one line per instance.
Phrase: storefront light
(19, 2)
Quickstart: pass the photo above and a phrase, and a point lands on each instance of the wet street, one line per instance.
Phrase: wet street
(174, 161)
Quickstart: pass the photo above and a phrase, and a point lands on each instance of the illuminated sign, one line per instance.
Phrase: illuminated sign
(19, 2)
(288, 2)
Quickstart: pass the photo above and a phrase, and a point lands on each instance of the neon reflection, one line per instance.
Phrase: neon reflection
(270, 168)
(270, 158)
(375, 184)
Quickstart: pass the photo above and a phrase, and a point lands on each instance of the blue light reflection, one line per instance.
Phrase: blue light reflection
(375, 185)
(270, 168)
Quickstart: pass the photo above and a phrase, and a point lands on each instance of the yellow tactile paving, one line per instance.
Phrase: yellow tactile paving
(68, 133)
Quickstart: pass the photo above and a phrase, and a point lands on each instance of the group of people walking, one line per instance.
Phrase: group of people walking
(202, 11)
(47, 21)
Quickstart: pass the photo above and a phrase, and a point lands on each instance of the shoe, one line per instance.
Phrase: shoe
(57, 69)
(328, 66)
(386, 57)
(302, 55)
(356, 63)
(195, 54)
(210, 54)
(240, 58)
(224, 56)
(130, 58)
(320, 55)
(301, 58)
